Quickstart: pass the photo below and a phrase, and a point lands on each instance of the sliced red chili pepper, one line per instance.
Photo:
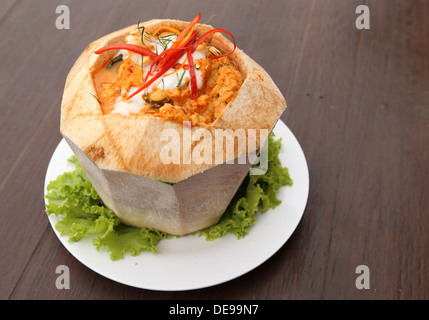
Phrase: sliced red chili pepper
(179, 65)
(185, 31)
(129, 47)
(209, 33)
(176, 55)
(170, 52)
(158, 60)
(169, 62)
(166, 56)
(180, 40)
(194, 88)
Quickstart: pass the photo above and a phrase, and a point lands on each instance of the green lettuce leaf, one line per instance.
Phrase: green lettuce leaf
(256, 193)
(127, 239)
(81, 212)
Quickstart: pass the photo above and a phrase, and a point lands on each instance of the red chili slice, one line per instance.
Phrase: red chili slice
(185, 31)
(168, 62)
(164, 69)
(129, 47)
(209, 33)
(179, 65)
(194, 88)
(178, 42)
(170, 52)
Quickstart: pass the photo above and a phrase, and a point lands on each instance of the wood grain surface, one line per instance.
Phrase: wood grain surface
(358, 103)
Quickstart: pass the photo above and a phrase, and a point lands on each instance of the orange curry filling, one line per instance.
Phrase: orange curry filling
(217, 82)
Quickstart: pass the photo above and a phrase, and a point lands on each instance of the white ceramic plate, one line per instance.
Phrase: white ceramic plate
(192, 262)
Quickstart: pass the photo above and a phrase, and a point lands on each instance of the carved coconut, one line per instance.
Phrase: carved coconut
(122, 155)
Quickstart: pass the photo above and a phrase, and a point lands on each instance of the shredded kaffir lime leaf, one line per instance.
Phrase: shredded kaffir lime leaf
(82, 213)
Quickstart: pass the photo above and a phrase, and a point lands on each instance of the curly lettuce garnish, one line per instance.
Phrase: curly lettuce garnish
(81, 212)
(256, 193)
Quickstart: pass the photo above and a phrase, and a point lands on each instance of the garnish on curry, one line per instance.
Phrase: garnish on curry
(169, 74)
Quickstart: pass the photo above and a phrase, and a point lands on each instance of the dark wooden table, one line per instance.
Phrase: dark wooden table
(358, 102)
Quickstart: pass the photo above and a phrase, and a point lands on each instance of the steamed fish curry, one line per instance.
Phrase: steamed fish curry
(170, 74)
